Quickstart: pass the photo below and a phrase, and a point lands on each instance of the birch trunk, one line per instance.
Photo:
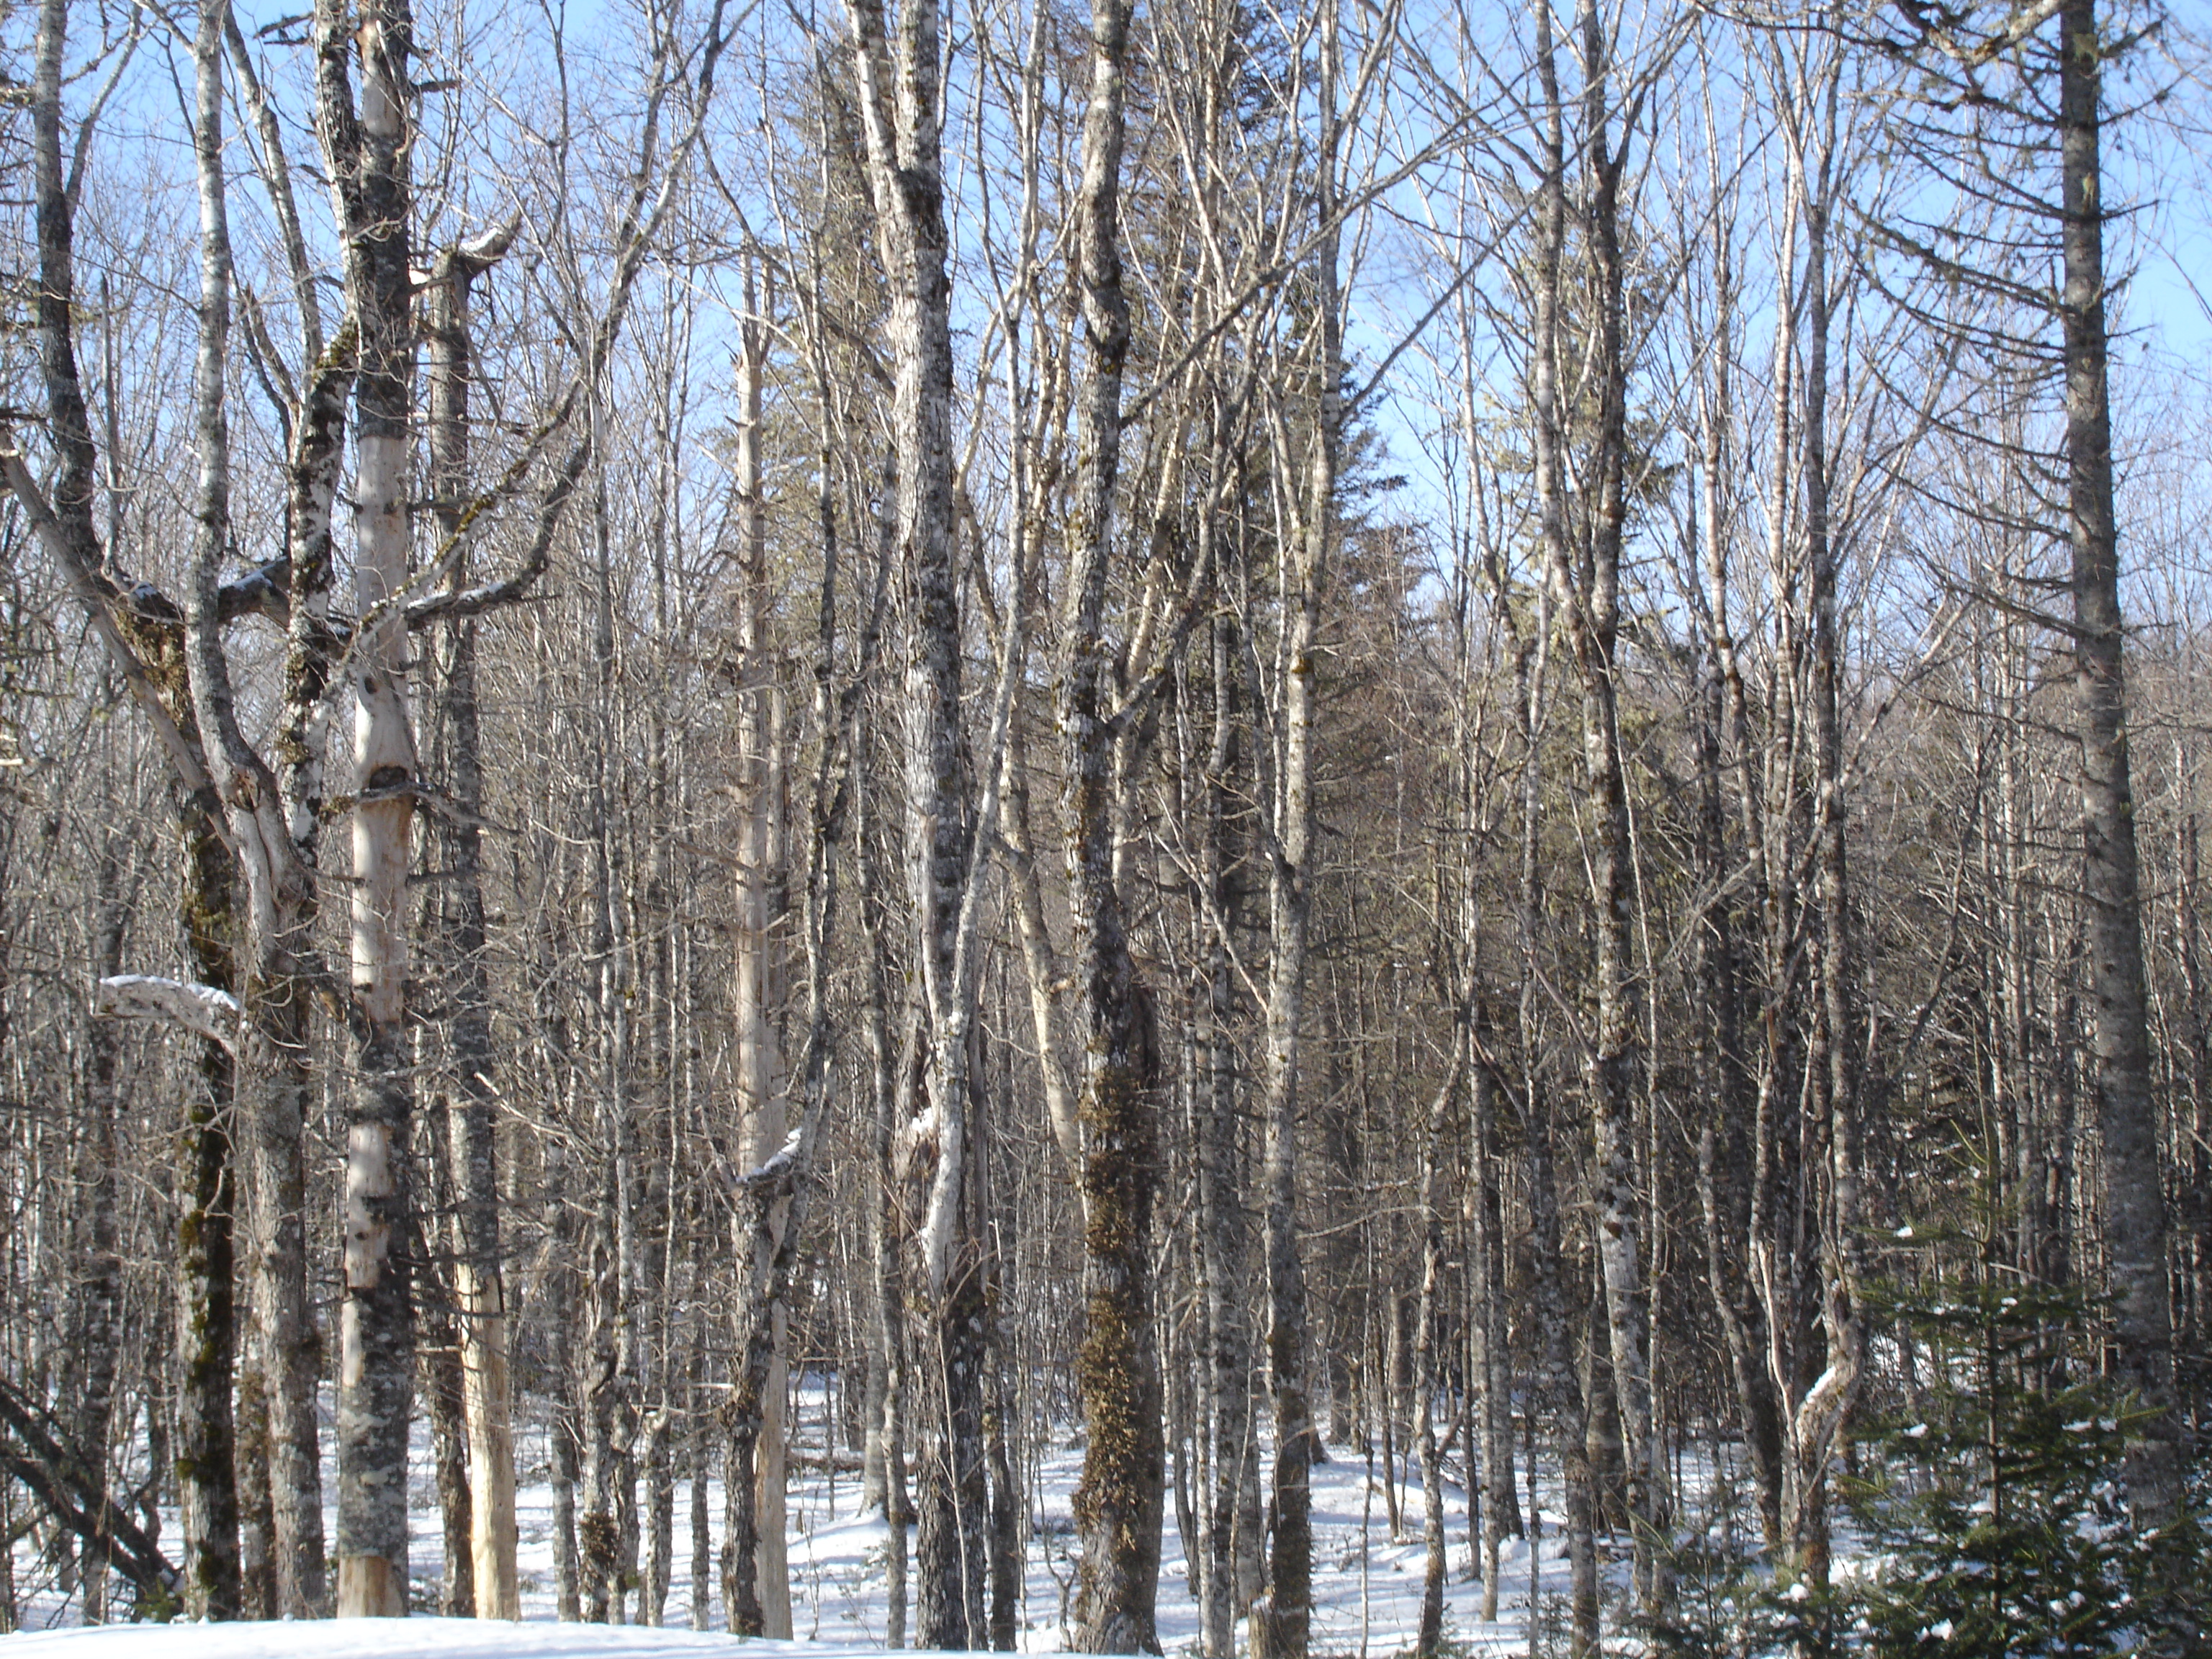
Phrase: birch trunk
(2195, 1325)
(897, 91)
(437, 1354)
(1284, 1622)
(1288, 1608)
(367, 151)
(773, 1193)
(702, 1515)
(243, 806)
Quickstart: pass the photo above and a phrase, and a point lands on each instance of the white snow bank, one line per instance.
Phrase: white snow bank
(400, 1638)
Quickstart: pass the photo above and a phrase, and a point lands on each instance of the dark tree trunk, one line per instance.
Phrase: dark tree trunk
(1229, 1527)
(2134, 1210)
(479, 1313)
(1428, 1380)
(207, 1336)
(96, 1334)
(1118, 1502)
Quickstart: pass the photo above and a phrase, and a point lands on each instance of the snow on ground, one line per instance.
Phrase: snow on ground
(383, 1638)
(1367, 1586)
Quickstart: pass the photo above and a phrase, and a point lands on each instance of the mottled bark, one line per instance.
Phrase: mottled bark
(206, 1343)
(88, 1377)
(257, 1569)
(897, 85)
(366, 149)
(568, 1562)
(701, 1516)
(1118, 1501)
(657, 1520)
(1819, 1417)
(207, 1333)
(1006, 1513)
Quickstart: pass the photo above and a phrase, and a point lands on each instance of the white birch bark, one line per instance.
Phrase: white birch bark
(366, 149)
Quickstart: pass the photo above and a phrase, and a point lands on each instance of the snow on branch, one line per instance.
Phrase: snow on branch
(201, 1008)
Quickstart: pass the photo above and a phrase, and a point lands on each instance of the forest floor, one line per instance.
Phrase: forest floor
(1367, 1584)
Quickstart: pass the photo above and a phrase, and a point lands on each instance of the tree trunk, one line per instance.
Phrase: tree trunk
(1723, 722)
(762, 1119)
(367, 151)
(207, 1489)
(2134, 1210)
(206, 1345)
(1590, 603)
(438, 1354)
(568, 1554)
(1119, 1499)
(2195, 1331)
(1288, 1611)
(897, 107)
(1491, 1360)
(257, 1568)
(1428, 1378)
(479, 1291)
(1557, 1386)
(888, 1304)
(1006, 1516)
(1230, 1452)
(1819, 1417)
(96, 1333)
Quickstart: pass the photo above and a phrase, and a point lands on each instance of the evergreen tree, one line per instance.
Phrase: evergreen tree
(1994, 1504)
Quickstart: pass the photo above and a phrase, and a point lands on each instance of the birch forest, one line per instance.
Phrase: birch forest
(746, 741)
